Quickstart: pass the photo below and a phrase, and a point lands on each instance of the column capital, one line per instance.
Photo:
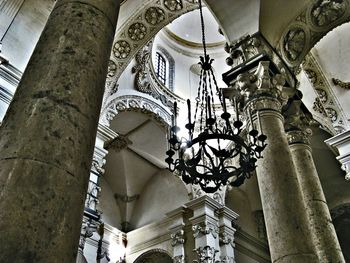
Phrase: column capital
(260, 86)
(297, 121)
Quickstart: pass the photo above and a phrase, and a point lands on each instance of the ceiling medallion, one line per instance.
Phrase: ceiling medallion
(205, 157)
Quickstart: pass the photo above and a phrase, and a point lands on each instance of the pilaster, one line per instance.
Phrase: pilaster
(205, 228)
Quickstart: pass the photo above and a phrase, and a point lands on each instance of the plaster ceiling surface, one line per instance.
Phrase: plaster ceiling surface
(129, 169)
(275, 15)
(188, 27)
(236, 18)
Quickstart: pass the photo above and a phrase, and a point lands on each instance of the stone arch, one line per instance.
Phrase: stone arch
(154, 255)
(138, 104)
(309, 27)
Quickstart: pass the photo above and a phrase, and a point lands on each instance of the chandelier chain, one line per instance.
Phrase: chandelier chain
(203, 28)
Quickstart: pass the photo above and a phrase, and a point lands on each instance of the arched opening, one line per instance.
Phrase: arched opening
(154, 255)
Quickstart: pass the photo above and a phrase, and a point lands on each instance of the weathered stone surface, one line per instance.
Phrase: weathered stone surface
(284, 211)
(322, 228)
(47, 136)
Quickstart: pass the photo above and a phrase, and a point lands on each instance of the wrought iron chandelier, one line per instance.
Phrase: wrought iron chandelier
(205, 156)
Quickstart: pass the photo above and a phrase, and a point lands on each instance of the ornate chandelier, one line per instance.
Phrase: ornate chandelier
(205, 156)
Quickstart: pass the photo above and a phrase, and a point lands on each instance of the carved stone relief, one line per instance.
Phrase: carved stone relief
(294, 43)
(205, 229)
(136, 104)
(206, 254)
(137, 31)
(178, 238)
(310, 26)
(342, 84)
(326, 103)
(146, 21)
(154, 15)
(147, 82)
(325, 12)
(173, 5)
(121, 49)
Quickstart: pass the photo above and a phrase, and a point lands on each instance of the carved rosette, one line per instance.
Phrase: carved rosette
(178, 238)
(206, 254)
(154, 15)
(205, 228)
(137, 31)
(173, 5)
(121, 49)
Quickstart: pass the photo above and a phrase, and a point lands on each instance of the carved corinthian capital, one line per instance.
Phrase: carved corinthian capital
(206, 254)
(178, 238)
(262, 89)
(205, 229)
(297, 121)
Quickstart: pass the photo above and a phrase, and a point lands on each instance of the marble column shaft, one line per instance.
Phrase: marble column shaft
(47, 136)
(284, 211)
(322, 228)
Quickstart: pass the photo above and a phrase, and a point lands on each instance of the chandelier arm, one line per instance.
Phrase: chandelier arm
(208, 155)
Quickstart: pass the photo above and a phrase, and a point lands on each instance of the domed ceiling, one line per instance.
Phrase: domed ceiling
(188, 29)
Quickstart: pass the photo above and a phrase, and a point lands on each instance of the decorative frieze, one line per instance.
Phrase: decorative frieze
(315, 21)
(142, 26)
(326, 103)
(136, 104)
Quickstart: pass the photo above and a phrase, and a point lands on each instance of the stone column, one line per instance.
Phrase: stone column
(322, 228)
(47, 136)
(286, 220)
(177, 230)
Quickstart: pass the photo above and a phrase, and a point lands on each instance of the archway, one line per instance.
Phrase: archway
(154, 256)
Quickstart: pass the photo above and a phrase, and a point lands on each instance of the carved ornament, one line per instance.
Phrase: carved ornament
(178, 238)
(342, 84)
(325, 12)
(135, 104)
(119, 143)
(226, 239)
(206, 254)
(205, 228)
(294, 43)
(179, 259)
